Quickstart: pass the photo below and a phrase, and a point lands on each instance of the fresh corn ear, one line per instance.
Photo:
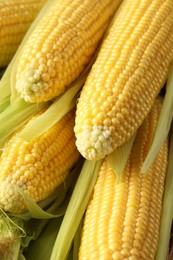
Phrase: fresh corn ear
(122, 219)
(37, 167)
(60, 46)
(16, 17)
(129, 72)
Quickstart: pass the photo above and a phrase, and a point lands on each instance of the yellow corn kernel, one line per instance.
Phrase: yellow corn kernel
(60, 47)
(128, 74)
(122, 219)
(37, 167)
(16, 17)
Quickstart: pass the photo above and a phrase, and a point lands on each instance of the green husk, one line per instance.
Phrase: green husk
(163, 125)
(42, 247)
(76, 241)
(35, 227)
(167, 209)
(5, 85)
(75, 209)
(21, 256)
(4, 104)
(120, 155)
(14, 117)
(34, 209)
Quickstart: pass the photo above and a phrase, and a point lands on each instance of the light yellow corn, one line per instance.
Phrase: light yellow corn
(60, 47)
(122, 219)
(15, 18)
(37, 167)
(127, 76)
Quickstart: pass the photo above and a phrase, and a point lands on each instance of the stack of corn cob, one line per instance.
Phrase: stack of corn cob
(115, 125)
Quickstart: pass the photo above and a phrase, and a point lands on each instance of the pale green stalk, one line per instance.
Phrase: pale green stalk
(75, 210)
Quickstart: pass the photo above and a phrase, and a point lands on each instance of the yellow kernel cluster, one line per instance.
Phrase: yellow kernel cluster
(15, 19)
(128, 74)
(122, 219)
(60, 47)
(37, 167)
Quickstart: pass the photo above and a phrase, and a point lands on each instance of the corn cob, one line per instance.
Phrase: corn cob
(60, 46)
(122, 219)
(128, 74)
(15, 19)
(37, 167)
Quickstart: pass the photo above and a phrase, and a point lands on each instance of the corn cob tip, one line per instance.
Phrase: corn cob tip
(33, 84)
(94, 142)
(8, 194)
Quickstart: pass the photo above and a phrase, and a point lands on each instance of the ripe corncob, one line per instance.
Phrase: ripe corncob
(60, 46)
(122, 219)
(37, 167)
(15, 18)
(128, 74)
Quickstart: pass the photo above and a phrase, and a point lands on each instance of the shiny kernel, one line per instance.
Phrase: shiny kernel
(43, 68)
(51, 72)
(50, 63)
(115, 122)
(28, 175)
(29, 158)
(42, 60)
(23, 179)
(45, 77)
(38, 165)
(107, 122)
